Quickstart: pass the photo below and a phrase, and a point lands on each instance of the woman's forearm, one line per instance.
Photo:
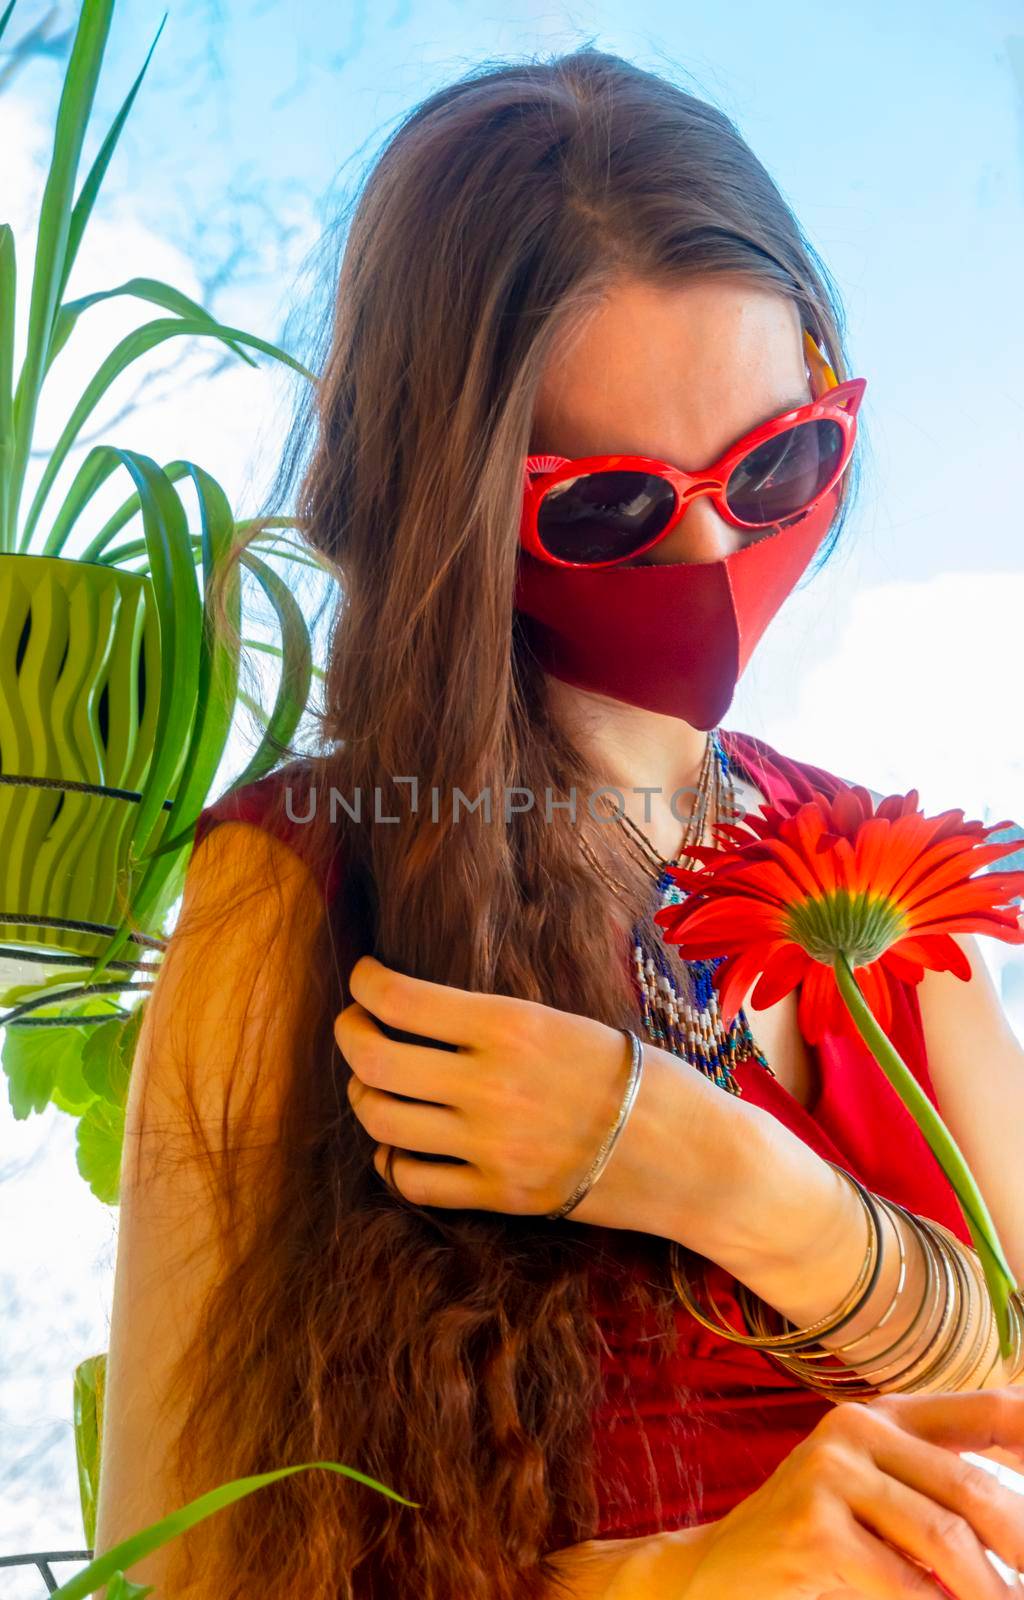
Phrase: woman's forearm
(756, 1199)
(742, 1190)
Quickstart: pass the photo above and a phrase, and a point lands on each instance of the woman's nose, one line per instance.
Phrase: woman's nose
(700, 535)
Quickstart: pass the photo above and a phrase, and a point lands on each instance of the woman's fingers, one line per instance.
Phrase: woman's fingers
(957, 1488)
(877, 1572)
(943, 1541)
(877, 1504)
(974, 1419)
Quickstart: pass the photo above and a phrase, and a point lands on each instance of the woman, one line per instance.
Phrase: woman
(387, 1038)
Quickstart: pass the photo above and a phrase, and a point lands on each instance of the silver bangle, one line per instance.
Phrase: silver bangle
(604, 1154)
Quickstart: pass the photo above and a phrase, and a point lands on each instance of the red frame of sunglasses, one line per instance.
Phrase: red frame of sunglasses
(838, 404)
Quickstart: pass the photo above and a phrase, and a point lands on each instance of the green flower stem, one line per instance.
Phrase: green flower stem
(998, 1276)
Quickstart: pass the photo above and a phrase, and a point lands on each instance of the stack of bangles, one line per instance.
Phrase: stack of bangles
(944, 1346)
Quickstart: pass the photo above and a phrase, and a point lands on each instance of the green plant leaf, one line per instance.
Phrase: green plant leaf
(71, 1092)
(87, 1389)
(96, 468)
(99, 1139)
(202, 686)
(22, 991)
(31, 1071)
(8, 296)
(5, 19)
(73, 113)
(135, 344)
(138, 1545)
(179, 612)
(218, 668)
(296, 670)
(275, 650)
(101, 1061)
(294, 554)
(44, 1065)
(80, 214)
(292, 693)
(148, 289)
(122, 1588)
(108, 1053)
(91, 187)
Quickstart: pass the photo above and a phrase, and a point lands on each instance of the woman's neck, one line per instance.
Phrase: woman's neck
(646, 755)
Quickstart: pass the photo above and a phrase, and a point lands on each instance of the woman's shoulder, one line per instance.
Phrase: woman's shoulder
(785, 777)
(282, 803)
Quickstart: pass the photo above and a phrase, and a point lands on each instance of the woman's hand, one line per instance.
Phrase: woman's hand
(523, 1096)
(875, 1504)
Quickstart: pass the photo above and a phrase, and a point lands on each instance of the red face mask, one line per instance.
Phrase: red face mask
(673, 637)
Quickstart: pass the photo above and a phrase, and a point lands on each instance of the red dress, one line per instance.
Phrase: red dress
(661, 1461)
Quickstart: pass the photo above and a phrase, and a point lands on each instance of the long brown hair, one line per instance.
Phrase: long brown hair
(452, 1355)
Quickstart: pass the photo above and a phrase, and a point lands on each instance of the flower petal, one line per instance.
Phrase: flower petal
(897, 805)
(995, 923)
(956, 864)
(850, 808)
(874, 984)
(852, 872)
(901, 966)
(821, 1008)
(782, 972)
(884, 853)
(936, 951)
(740, 972)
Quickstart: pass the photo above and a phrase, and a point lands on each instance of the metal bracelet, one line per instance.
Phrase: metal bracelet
(608, 1144)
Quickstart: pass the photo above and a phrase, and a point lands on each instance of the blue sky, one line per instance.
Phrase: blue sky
(897, 134)
(896, 131)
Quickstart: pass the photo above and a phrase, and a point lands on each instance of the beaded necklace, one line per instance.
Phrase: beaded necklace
(677, 998)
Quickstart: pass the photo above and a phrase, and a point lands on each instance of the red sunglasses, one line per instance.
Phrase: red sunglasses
(595, 511)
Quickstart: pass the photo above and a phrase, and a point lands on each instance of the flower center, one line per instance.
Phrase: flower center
(859, 926)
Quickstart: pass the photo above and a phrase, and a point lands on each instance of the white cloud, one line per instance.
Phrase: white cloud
(900, 685)
(903, 685)
(229, 423)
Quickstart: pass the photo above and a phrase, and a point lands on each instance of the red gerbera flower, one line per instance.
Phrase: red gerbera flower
(842, 899)
(806, 882)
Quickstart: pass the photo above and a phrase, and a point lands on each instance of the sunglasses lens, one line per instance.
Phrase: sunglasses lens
(604, 516)
(786, 473)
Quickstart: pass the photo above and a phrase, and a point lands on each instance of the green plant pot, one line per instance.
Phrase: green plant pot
(79, 686)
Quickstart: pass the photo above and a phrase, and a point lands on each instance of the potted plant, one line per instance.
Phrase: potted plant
(117, 692)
